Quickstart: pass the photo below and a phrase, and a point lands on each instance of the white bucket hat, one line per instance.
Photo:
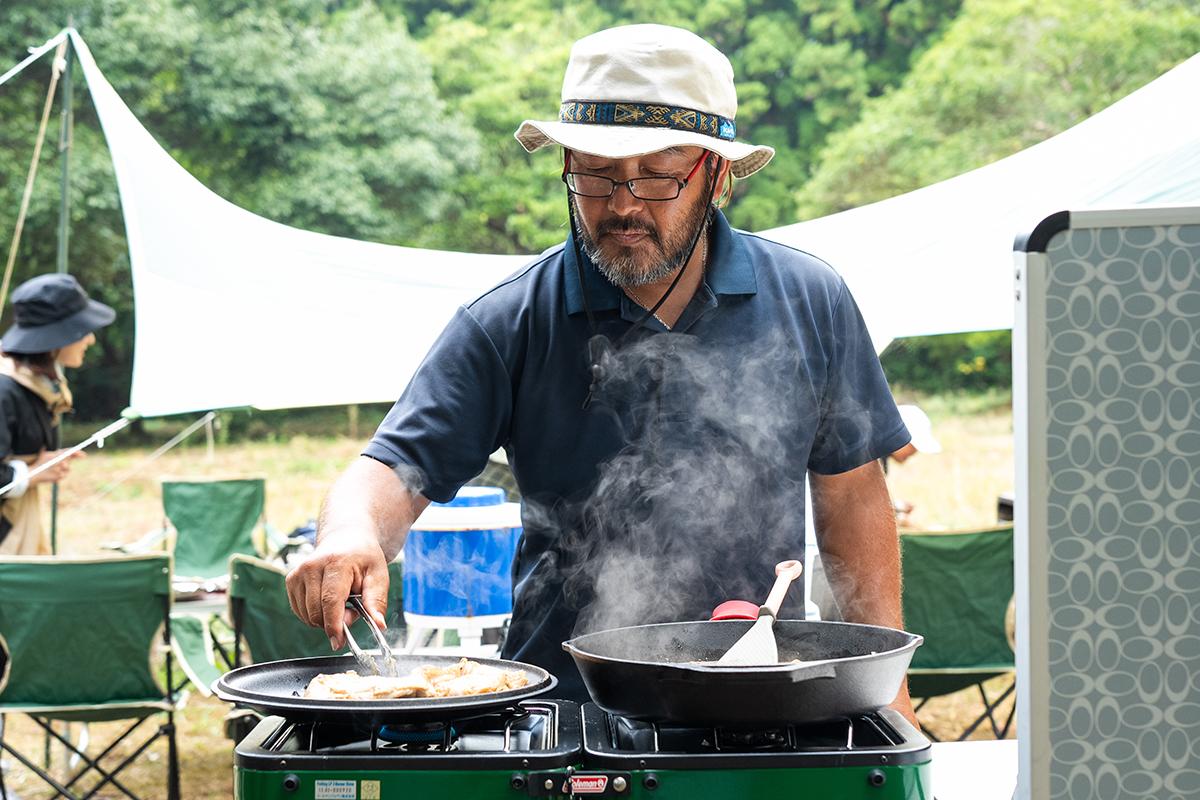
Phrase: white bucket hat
(638, 89)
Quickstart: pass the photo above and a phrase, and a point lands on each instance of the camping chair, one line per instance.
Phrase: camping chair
(78, 635)
(957, 588)
(213, 520)
(266, 629)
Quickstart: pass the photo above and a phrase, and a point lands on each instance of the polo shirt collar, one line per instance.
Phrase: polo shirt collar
(730, 272)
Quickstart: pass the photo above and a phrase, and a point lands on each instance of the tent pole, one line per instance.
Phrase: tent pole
(66, 134)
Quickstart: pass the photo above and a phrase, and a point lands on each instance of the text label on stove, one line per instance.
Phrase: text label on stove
(589, 784)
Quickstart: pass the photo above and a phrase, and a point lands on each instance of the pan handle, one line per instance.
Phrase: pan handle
(798, 674)
(820, 669)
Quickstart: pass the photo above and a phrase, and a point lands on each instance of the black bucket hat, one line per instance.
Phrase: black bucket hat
(52, 311)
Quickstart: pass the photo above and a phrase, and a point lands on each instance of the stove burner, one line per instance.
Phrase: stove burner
(425, 738)
(522, 729)
(846, 733)
(413, 733)
(871, 739)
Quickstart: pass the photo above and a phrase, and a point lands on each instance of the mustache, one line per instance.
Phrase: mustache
(626, 226)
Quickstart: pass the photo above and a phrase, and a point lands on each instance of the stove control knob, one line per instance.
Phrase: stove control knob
(549, 784)
(650, 782)
(877, 777)
(517, 782)
(291, 783)
(620, 784)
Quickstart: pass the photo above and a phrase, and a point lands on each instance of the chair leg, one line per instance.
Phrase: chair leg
(41, 773)
(989, 706)
(3, 791)
(111, 777)
(172, 760)
(992, 705)
(1012, 712)
(107, 776)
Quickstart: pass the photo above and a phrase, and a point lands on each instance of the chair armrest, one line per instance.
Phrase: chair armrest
(143, 544)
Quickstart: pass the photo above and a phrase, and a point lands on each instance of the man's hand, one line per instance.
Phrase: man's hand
(344, 563)
(363, 524)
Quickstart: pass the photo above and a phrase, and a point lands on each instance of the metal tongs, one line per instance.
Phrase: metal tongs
(365, 660)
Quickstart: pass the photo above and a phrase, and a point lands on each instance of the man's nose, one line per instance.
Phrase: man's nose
(623, 202)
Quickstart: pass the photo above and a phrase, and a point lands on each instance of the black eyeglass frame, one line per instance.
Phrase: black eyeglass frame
(569, 177)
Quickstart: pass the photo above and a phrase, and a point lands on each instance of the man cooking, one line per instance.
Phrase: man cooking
(651, 380)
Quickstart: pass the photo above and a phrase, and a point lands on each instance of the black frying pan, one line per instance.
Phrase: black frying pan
(275, 687)
(660, 672)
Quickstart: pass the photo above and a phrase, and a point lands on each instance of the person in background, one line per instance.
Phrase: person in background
(923, 441)
(54, 325)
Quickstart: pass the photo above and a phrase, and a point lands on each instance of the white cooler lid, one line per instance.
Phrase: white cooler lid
(469, 518)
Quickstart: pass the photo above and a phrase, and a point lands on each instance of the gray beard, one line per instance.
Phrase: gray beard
(623, 271)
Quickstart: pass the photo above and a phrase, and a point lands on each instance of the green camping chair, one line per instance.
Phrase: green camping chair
(213, 520)
(957, 588)
(78, 637)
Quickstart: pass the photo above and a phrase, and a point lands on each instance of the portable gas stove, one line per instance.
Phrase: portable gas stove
(553, 748)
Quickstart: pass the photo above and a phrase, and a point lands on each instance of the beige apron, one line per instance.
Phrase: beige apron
(28, 536)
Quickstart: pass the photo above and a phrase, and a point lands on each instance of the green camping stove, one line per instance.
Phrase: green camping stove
(552, 748)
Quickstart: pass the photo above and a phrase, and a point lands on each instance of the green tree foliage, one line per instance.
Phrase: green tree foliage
(392, 120)
(1006, 75)
(803, 69)
(320, 115)
(496, 66)
(954, 362)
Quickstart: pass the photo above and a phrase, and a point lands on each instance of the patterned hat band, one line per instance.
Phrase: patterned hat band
(648, 115)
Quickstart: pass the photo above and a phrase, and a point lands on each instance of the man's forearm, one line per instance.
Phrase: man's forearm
(371, 497)
(861, 552)
(856, 530)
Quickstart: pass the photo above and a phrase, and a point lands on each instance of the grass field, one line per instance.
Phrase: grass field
(113, 495)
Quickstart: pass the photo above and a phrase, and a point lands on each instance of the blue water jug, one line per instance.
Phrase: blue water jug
(458, 557)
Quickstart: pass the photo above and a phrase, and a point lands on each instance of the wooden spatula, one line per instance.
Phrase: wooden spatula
(757, 646)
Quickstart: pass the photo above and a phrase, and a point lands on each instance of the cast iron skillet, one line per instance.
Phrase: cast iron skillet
(658, 672)
(275, 687)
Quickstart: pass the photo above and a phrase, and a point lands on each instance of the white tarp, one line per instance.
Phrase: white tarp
(233, 310)
(939, 259)
(236, 310)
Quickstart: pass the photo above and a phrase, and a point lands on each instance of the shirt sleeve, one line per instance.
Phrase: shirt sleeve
(859, 420)
(8, 419)
(454, 413)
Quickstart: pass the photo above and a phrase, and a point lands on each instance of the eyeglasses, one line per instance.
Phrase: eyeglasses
(587, 185)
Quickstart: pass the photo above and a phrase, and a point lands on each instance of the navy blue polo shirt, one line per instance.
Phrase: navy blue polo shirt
(681, 483)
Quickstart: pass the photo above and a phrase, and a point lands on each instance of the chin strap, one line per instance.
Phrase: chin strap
(599, 345)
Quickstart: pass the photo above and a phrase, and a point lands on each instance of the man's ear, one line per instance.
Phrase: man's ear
(725, 181)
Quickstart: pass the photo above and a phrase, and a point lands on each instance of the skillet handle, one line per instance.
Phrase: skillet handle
(704, 673)
(821, 669)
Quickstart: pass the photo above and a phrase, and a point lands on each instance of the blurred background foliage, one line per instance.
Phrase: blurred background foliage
(392, 121)
(965, 362)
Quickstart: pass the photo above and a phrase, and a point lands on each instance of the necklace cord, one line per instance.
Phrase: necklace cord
(595, 368)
